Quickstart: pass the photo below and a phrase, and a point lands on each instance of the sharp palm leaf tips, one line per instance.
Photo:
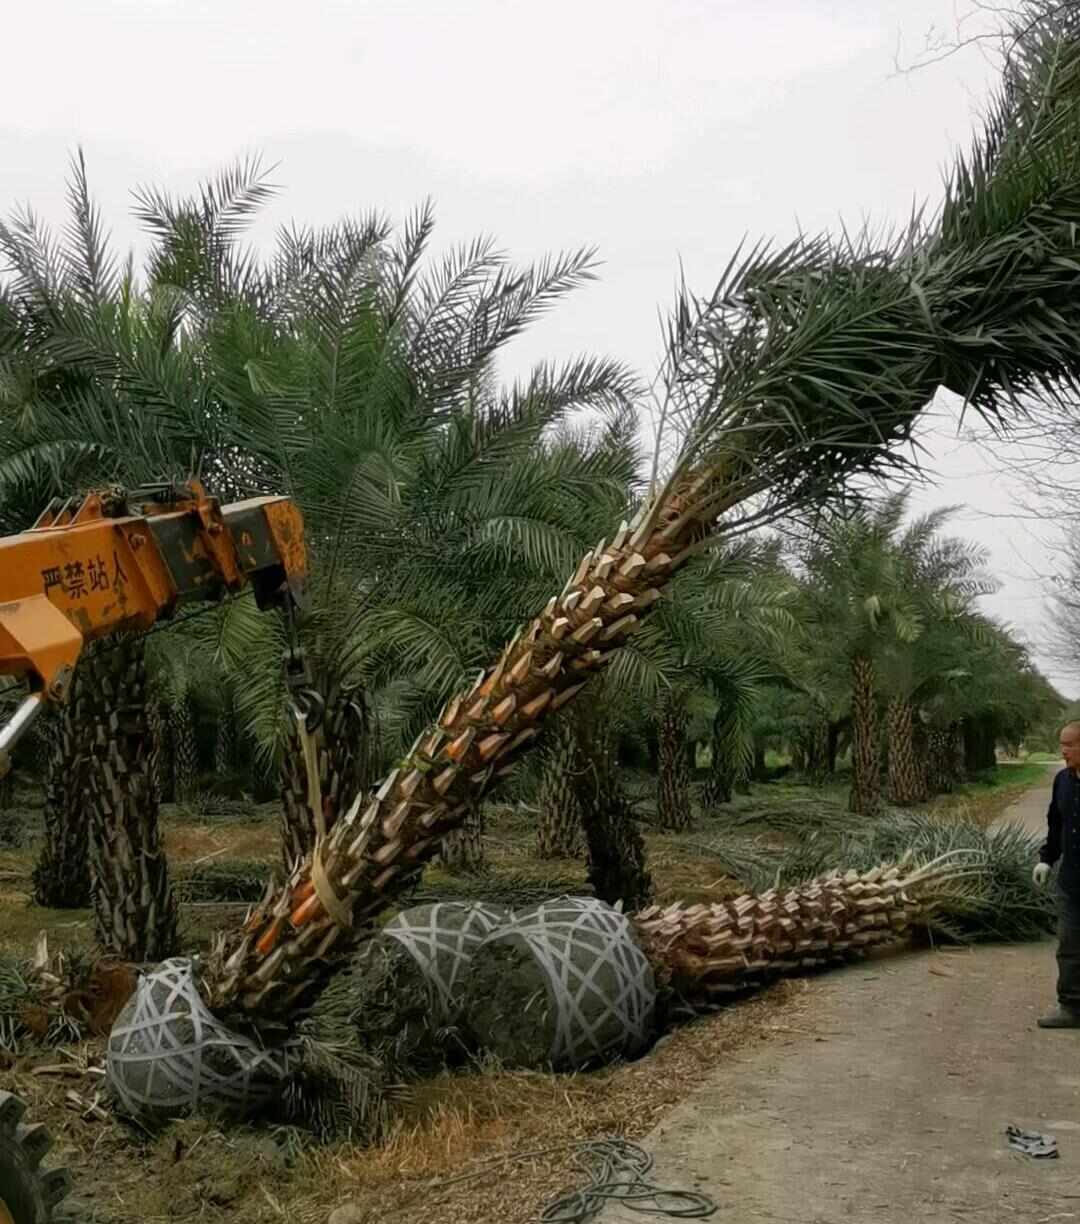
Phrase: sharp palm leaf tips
(807, 365)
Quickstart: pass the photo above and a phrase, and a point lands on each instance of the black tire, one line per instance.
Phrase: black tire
(29, 1194)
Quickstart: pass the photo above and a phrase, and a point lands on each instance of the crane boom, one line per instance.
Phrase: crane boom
(116, 562)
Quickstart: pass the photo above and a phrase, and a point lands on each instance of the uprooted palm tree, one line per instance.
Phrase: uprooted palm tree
(806, 366)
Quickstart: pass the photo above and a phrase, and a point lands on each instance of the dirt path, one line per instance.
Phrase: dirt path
(890, 1101)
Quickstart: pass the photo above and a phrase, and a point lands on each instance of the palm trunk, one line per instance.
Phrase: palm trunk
(463, 848)
(817, 765)
(558, 830)
(134, 909)
(705, 953)
(834, 746)
(717, 788)
(673, 800)
(62, 872)
(225, 743)
(344, 756)
(866, 749)
(184, 752)
(922, 759)
(939, 769)
(296, 937)
(617, 868)
(161, 768)
(905, 783)
(956, 760)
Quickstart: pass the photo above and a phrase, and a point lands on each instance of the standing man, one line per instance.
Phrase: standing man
(1063, 842)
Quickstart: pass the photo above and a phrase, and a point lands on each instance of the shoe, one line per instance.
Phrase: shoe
(1060, 1017)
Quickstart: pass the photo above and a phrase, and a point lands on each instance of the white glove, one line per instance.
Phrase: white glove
(1041, 874)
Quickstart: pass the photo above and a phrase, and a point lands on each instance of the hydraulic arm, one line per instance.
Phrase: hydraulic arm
(118, 562)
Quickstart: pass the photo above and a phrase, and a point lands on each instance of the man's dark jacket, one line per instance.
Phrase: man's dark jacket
(1063, 831)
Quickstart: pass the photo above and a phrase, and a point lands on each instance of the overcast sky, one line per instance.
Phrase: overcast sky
(660, 132)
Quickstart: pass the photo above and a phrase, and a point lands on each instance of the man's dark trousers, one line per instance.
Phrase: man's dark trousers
(1068, 953)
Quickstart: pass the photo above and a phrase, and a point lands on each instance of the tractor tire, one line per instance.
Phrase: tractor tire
(29, 1194)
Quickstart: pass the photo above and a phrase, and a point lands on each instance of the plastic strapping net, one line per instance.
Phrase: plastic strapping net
(442, 938)
(600, 981)
(168, 1053)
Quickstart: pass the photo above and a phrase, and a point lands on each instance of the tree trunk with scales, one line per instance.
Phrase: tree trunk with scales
(62, 872)
(866, 749)
(463, 848)
(939, 777)
(817, 762)
(558, 830)
(673, 796)
(225, 741)
(717, 789)
(617, 866)
(162, 767)
(184, 749)
(906, 785)
(134, 909)
(344, 760)
(956, 758)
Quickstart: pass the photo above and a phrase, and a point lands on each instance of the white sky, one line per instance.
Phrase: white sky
(660, 132)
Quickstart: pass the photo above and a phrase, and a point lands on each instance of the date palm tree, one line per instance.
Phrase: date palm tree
(805, 367)
(857, 599)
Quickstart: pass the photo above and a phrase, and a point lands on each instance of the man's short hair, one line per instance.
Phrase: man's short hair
(1072, 725)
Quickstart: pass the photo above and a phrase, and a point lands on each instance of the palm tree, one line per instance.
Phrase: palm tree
(858, 598)
(106, 385)
(945, 577)
(805, 367)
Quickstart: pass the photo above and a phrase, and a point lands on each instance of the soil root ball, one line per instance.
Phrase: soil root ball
(563, 985)
(400, 997)
(169, 1056)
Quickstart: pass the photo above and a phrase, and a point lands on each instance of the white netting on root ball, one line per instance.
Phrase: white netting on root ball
(442, 938)
(564, 984)
(399, 998)
(169, 1056)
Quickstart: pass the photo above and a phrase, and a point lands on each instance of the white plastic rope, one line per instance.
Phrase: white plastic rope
(442, 938)
(169, 1054)
(599, 980)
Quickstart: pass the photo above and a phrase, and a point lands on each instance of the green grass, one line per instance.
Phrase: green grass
(1012, 773)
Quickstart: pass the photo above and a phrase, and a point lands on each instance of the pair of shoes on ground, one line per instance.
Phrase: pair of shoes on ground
(1060, 1017)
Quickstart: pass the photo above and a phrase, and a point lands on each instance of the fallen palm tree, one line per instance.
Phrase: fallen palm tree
(807, 366)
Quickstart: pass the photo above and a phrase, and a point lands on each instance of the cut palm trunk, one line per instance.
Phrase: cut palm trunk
(807, 365)
(866, 747)
(705, 953)
(673, 798)
(62, 872)
(558, 829)
(343, 755)
(134, 909)
(905, 779)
